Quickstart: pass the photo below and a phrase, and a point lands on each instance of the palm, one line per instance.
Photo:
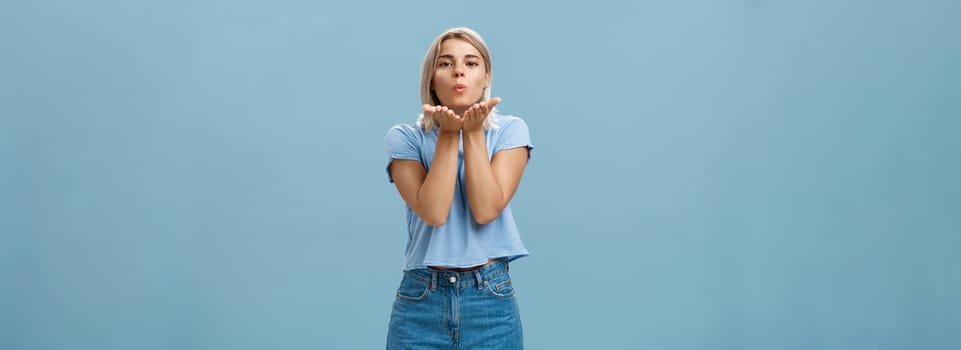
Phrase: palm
(448, 120)
(475, 115)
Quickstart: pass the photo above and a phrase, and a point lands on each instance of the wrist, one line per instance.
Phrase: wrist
(474, 132)
(447, 136)
(474, 136)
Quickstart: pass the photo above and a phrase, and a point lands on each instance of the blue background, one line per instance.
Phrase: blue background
(707, 174)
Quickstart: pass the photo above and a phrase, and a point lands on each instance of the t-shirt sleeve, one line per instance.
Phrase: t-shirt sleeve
(400, 143)
(513, 135)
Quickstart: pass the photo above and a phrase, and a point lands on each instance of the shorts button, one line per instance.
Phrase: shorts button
(453, 279)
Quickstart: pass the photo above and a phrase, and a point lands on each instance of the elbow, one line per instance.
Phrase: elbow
(432, 216)
(484, 218)
(435, 220)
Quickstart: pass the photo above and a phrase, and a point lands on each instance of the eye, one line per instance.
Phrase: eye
(443, 64)
(472, 64)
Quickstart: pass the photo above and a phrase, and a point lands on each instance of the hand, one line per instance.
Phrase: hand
(445, 117)
(475, 115)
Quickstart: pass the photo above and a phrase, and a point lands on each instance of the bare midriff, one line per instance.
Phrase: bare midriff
(461, 269)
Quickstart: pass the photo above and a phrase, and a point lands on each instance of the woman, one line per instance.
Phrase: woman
(457, 169)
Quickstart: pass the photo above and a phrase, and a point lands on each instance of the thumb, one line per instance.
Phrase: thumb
(493, 102)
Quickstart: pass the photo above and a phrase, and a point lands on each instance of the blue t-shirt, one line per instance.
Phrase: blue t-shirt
(461, 241)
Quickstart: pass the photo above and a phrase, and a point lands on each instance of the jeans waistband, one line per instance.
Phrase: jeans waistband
(476, 278)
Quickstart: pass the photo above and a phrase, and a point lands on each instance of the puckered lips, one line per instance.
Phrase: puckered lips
(459, 88)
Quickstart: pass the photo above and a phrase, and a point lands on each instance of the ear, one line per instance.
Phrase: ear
(487, 80)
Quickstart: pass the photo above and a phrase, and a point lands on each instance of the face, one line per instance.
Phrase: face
(459, 75)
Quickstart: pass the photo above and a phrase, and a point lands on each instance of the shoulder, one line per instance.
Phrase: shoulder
(405, 130)
(509, 126)
(505, 122)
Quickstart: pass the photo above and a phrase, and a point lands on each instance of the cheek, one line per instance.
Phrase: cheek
(481, 79)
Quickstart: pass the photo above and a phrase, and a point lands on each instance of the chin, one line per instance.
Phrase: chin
(465, 102)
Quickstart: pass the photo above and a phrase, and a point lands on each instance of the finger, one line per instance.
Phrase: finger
(480, 111)
(474, 109)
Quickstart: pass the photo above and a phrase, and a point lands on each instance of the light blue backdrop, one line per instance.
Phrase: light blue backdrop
(707, 174)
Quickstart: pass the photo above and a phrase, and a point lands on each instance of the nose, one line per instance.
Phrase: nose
(458, 71)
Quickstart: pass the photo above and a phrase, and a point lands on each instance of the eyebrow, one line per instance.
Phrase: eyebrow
(452, 56)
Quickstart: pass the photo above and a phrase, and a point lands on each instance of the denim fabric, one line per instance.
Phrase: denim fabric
(456, 310)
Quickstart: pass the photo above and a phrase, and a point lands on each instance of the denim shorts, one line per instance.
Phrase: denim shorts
(456, 310)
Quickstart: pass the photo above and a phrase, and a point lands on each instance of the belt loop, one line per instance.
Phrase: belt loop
(433, 281)
(479, 278)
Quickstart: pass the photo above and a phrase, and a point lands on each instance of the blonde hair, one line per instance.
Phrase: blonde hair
(427, 95)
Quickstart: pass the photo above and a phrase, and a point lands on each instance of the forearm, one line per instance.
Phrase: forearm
(437, 192)
(485, 194)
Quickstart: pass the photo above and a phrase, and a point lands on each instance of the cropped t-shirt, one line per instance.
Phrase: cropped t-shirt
(461, 241)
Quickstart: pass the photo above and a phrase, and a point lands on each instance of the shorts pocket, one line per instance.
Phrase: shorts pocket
(412, 289)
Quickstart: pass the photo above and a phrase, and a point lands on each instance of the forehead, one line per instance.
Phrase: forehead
(458, 48)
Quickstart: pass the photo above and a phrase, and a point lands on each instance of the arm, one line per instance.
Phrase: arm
(490, 184)
(430, 193)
